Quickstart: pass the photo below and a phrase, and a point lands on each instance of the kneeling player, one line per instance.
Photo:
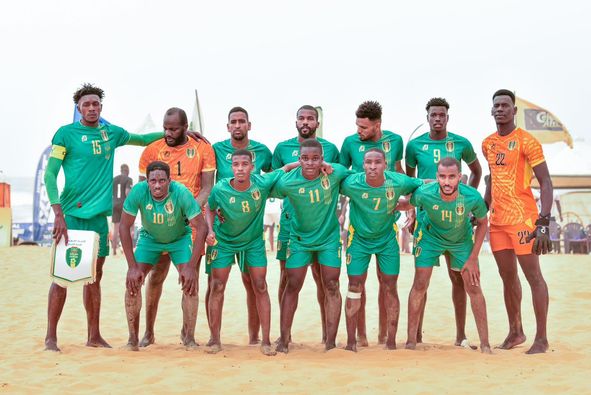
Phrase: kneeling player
(373, 198)
(446, 229)
(241, 202)
(165, 206)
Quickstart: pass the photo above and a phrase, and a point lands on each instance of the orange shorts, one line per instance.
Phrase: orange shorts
(512, 237)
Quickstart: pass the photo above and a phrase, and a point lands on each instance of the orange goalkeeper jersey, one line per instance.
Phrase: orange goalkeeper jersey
(186, 161)
(511, 159)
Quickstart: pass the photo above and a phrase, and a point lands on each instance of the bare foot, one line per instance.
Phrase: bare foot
(190, 344)
(279, 340)
(282, 347)
(131, 347)
(210, 342)
(381, 338)
(51, 345)
(254, 342)
(267, 350)
(410, 346)
(362, 341)
(98, 342)
(512, 340)
(419, 337)
(351, 347)
(147, 339)
(329, 346)
(485, 349)
(214, 348)
(539, 346)
(465, 343)
(390, 345)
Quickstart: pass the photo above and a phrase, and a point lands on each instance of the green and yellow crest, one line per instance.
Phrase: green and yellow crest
(73, 256)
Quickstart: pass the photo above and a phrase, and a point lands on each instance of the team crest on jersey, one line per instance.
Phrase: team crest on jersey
(435, 207)
(279, 244)
(169, 207)
(295, 152)
(348, 259)
(390, 193)
(364, 195)
(362, 148)
(104, 135)
(386, 146)
(232, 200)
(229, 157)
(256, 194)
(449, 146)
(149, 206)
(512, 145)
(325, 183)
(166, 154)
(254, 156)
(84, 138)
(425, 147)
(191, 153)
(301, 191)
(460, 209)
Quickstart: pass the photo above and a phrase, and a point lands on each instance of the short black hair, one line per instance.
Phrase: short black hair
(449, 161)
(437, 102)
(311, 143)
(238, 109)
(242, 152)
(157, 165)
(88, 89)
(307, 107)
(505, 92)
(182, 114)
(371, 110)
(379, 151)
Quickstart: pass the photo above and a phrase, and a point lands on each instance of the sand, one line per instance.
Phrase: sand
(166, 367)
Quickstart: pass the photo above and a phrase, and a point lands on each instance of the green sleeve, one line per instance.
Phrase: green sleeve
(211, 200)
(276, 161)
(191, 208)
(345, 187)
(409, 156)
(415, 199)
(278, 190)
(131, 204)
(341, 172)
(468, 154)
(270, 179)
(266, 167)
(345, 156)
(410, 184)
(50, 178)
(479, 210)
(399, 148)
(333, 155)
(144, 139)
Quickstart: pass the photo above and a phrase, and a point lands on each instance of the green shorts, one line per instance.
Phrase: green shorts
(360, 250)
(330, 256)
(148, 251)
(428, 250)
(222, 255)
(97, 223)
(283, 238)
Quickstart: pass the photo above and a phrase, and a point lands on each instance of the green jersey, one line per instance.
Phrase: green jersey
(314, 225)
(163, 221)
(425, 153)
(448, 221)
(261, 158)
(244, 211)
(372, 208)
(88, 167)
(354, 149)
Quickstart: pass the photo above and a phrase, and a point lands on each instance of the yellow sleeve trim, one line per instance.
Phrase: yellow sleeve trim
(537, 163)
(58, 152)
(208, 170)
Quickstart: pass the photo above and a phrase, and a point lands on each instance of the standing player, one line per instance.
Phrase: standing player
(238, 127)
(422, 156)
(512, 154)
(121, 187)
(192, 163)
(445, 228)
(373, 197)
(288, 151)
(165, 208)
(314, 237)
(85, 149)
(370, 135)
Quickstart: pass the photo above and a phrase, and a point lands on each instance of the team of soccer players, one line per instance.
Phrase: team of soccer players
(182, 210)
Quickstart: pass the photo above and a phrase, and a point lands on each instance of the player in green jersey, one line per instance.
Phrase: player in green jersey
(85, 150)
(165, 206)
(288, 151)
(445, 229)
(373, 197)
(422, 156)
(238, 126)
(314, 237)
(370, 135)
(241, 202)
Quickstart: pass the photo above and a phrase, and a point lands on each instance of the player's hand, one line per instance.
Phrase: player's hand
(411, 217)
(471, 267)
(220, 216)
(134, 281)
(210, 239)
(542, 243)
(188, 279)
(60, 229)
(197, 136)
(341, 220)
(326, 168)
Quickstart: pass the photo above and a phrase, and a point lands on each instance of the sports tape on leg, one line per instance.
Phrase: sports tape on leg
(353, 295)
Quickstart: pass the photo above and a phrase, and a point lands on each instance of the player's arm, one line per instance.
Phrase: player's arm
(51, 171)
(207, 178)
(475, 173)
(209, 218)
(399, 168)
(541, 234)
(135, 276)
(471, 266)
(188, 274)
(487, 191)
(144, 139)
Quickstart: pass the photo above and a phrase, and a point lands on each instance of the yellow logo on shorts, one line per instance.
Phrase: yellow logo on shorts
(348, 259)
(362, 148)
(256, 194)
(418, 251)
(386, 146)
(390, 193)
(212, 255)
(449, 146)
(191, 153)
(350, 236)
(325, 183)
(169, 207)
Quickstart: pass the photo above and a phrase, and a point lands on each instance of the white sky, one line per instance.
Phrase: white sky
(273, 56)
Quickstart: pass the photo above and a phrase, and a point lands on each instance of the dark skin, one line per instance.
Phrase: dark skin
(504, 111)
(449, 180)
(438, 117)
(176, 133)
(311, 160)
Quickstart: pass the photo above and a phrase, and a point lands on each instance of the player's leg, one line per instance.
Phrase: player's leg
(258, 276)
(352, 307)
(153, 293)
(55, 306)
(478, 305)
(358, 256)
(458, 296)
(415, 302)
(530, 265)
(330, 271)
(219, 278)
(361, 324)
(382, 323)
(272, 235)
(253, 318)
(388, 267)
(190, 303)
(133, 306)
(315, 268)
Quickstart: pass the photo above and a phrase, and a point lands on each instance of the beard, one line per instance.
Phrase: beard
(448, 194)
(178, 141)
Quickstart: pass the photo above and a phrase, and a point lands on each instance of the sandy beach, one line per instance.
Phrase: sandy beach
(166, 367)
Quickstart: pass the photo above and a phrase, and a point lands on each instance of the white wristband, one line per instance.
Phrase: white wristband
(353, 295)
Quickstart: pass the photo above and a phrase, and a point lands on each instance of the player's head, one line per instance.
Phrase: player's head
(158, 178)
(307, 121)
(89, 99)
(242, 164)
(124, 169)
(238, 123)
(175, 126)
(448, 175)
(369, 120)
(504, 108)
(311, 158)
(374, 163)
(437, 115)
